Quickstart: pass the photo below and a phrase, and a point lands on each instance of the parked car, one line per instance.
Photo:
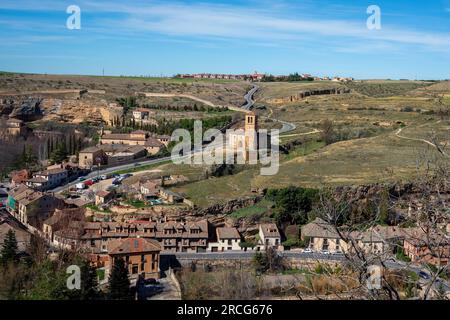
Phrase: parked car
(103, 177)
(89, 182)
(80, 186)
(424, 275)
(308, 250)
(325, 252)
(81, 178)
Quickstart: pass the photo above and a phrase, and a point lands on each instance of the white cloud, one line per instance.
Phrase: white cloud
(259, 24)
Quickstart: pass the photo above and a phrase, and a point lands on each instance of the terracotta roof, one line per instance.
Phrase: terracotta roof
(90, 150)
(102, 193)
(120, 136)
(152, 142)
(132, 245)
(227, 233)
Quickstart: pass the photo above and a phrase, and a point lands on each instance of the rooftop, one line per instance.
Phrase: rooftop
(132, 245)
(227, 233)
(270, 230)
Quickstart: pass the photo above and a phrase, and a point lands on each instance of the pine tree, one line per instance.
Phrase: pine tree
(119, 283)
(89, 283)
(9, 249)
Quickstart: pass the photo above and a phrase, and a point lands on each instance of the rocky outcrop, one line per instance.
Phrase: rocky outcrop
(229, 206)
(27, 110)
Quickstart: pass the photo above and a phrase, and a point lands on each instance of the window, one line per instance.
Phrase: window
(135, 269)
(229, 242)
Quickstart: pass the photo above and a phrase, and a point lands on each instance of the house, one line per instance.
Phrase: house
(92, 156)
(269, 236)
(48, 179)
(135, 138)
(150, 187)
(141, 114)
(140, 255)
(228, 239)
(164, 139)
(118, 154)
(183, 237)
(173, 236)
(70, 236)
(427, 247)
(322, 236)
(15, 127)
(153, 145)
(102, 197)
(61, 219)
(32, 207)
(22, 235)
(380, 239)
(170, 196)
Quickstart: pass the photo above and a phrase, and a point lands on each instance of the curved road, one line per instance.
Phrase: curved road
(287, 126)
(247, 106)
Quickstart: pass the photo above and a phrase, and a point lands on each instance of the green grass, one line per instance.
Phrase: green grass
(141, 168)
(137, 204)
(302, 150)
(258, 209)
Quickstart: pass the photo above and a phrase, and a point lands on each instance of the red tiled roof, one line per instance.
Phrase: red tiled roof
(132, 245)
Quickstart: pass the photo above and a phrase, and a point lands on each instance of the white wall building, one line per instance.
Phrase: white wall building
(228, 239)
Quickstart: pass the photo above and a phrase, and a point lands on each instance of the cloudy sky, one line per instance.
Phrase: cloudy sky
(146, 37)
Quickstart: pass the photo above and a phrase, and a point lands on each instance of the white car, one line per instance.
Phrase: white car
(308, 250)
(325, 252)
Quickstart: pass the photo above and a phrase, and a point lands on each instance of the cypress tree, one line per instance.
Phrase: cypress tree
(119, 283)
(89, 284)
(9, 248)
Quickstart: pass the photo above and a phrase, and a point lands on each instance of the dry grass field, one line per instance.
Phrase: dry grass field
(374, 153)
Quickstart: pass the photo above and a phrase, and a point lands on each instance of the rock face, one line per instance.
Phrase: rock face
(26, 110)
(229, 206)
(6, 106)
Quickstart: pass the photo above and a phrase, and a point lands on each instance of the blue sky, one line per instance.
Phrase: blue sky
(146, 37)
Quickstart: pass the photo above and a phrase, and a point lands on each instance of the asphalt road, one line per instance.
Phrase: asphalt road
(245, 255)
(249, 98)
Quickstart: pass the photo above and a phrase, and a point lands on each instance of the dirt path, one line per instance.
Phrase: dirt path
(301, 134)
(397, 133)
